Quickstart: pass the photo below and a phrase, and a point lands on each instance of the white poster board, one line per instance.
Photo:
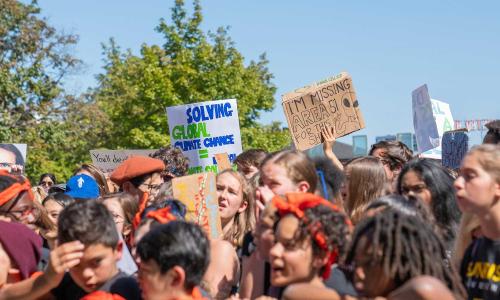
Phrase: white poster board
(109, 160)
(431, 119)
(444, 122)
(204, 129)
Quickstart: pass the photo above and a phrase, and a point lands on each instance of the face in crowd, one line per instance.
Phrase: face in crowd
(230, 196)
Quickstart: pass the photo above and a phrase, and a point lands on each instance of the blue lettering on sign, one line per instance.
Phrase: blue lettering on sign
(208, 112)
(218, 141)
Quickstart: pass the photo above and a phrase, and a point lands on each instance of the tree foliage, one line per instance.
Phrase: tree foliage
(127, 108)
(189, 67)
(34, 61)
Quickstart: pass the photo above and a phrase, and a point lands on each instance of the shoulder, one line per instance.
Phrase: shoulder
(222, 247)
(423, 288)
(308, 291)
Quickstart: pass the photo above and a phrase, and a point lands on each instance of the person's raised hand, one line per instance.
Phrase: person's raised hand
(63, 258)
(328, 136)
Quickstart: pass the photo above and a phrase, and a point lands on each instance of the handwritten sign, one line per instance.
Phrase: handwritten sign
(199, 193)
(109, 160)
(455, 145)
(204, 129)
(332, 102)
(223, 162)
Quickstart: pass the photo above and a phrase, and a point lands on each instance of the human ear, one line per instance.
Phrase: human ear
(243, 206)
(178, 277)
(127, 229)
(303, 186)
(118, 251)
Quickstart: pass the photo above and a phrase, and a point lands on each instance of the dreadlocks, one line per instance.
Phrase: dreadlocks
(409, 248)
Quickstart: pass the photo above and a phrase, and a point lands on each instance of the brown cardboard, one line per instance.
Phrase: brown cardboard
(223, 162)
(199, 193)
(331, 102)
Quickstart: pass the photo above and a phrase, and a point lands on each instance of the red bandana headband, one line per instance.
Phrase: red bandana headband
(101, 295)
(163, 215)
(142, 206)
(14, 190)
(297, 204)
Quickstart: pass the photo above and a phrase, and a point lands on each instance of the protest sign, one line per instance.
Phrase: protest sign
(204, 129)
(331, 102)
(13, 157)
(431, 118)
(423, 120)
(109, 160)
(199, 193)
(223, 162)
(455, 145)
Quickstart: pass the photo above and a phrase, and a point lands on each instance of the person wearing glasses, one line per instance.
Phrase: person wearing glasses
(141, 177)
(47, 180)
(16, 200)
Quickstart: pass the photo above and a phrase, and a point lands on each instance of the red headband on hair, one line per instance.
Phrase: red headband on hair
(101, 295)
(14, 190)
(163, 215)
(142, 206)
(297, 204)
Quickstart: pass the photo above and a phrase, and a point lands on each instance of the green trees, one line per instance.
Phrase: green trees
(127, 108)
(189, 67)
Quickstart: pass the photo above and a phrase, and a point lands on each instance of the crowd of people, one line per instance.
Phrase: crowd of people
(388, 225)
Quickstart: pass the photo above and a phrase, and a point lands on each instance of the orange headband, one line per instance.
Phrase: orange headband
(142, 206)
(101, 295)
(297, 204)
(14, 190)
(163, 215)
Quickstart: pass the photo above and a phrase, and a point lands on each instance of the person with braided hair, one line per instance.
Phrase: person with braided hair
(393, 253)
(311, 235)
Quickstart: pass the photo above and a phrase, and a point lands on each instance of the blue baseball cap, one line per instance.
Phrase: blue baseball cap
(82, 186)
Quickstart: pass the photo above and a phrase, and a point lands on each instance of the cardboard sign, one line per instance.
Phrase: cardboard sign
(223, 162)
(109, 160)
(332, 102)
(13, 157)
(455, 145)
(199, 193)
(204, 129)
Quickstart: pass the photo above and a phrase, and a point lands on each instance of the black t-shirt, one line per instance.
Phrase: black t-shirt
(340, 281)
(120, 284)
(480, 269)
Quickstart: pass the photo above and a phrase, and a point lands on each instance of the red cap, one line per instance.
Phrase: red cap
(136, 166)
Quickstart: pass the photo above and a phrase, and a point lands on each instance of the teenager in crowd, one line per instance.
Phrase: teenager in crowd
(478, 192)
(123, 208)
(430, 182)
(173, 259)
(366, 181)
(141, 177)
(94, 172)
(92, 224)
(54, 204)
(394, 155)
(236, 206)
(249, 161)
(17, 200)
(390, 249)
(311, 235)
(46, 181)
(176, 164)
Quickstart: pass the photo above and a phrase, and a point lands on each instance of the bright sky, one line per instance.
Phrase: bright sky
(389, 48)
